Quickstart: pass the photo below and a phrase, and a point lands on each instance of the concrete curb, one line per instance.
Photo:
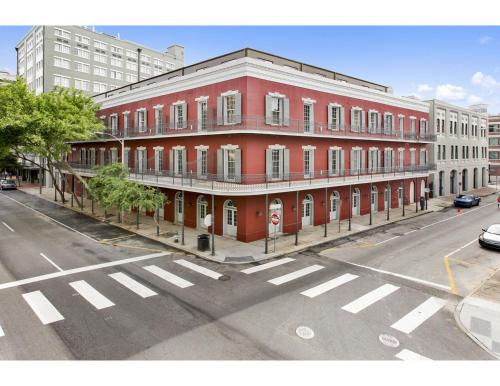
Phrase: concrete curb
(458, 310)
(209, 258)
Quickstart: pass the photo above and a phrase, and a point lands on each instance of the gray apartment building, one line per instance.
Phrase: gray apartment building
(494, 146)
(91, 61)
(460, 151)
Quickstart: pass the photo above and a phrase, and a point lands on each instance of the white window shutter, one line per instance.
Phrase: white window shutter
(363, 123)
(351, 162)
(171, 161)
(286, 164)
(269, 165)
(136, 120)
(329, 157)
(342, 162)
(269, 118)
(311, 162)
(145, 160)
(220, 164)
(184, 162)
(237, 165)
(330, 122)
(145, 120)
(311, 118)
(198, 163)
(352, 120)
(220, 115)
(238, 109)
(198, 116)
(342, 117)
(184, 115)
(379, 122)
(172, 117)
(286, 112)
(363, 161)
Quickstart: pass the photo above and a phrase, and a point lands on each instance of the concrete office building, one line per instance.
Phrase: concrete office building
(94, 62)
(461, 150)
(494, 146)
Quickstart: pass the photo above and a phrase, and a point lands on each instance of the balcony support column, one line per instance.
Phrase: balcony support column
(426, 194)
(415, 195)
(370, 199)
(297, 217)
(389, 199)
(183, 216)
(326, 212)
(350, 206)
(403, 193)
(266, 233)
(212, 221)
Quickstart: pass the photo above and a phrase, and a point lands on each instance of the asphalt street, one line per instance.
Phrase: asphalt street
(85, 299)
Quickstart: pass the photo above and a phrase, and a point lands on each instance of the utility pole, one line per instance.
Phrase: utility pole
(350, 206)
(266, 233)
(212, 221)
(388, 192)
(297, 217)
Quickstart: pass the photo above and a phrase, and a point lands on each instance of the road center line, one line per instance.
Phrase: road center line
(51, 262)
(81, 269)
(50, 218)
(385, 241)
(8, 227)
(457, 215)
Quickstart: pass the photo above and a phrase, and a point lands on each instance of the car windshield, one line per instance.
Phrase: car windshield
(495, 229)
(464, 197)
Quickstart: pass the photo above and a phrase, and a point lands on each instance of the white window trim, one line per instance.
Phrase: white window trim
(156, 148)
(157, 107)
(126, 112)
(276, 95)
(178, 103)
(357, 108)
(308, 147)
(141, 148)
(276, 147)
(202, 147)
(201, 99)
(229, 147)
(357, 148)
(230, 92)
(308, 101)
(141, 109)
(373, 148)
(401, 115)
(335, 148)
(102, 117)
(334, 104)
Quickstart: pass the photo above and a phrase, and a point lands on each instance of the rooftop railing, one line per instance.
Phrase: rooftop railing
(268, 125)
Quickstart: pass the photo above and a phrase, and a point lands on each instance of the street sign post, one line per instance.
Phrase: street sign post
(275, 220)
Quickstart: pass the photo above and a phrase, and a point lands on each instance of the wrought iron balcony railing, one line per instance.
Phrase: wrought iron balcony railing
(251, 123)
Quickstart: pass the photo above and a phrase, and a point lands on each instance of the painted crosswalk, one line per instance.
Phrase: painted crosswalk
(199, 269)
(371, 297)
(42, 307)
(295, 275)
(408, 355)
(419, 315)
(90, 294)
(329, 285)
(265, 266)
(133, 285)
(170, 277)
(1, 332)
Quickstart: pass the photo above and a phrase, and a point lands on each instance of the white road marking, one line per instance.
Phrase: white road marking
(81, 269)
(51, 262)
(295, 275)
(90, 294)
(170, 277)
(417, 316)
(51, 219)
(1, 332)
(42, 307)
(8, 227)
(272, 264)
(329, 285)
(385, 241)
(132, 285)
(416, 280)
(407, 355)
(199, 269)
(407, 233)
(457, 215)
(371, 297)
(462, 247)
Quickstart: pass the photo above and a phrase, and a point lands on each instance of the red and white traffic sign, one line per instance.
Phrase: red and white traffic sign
(275, 219)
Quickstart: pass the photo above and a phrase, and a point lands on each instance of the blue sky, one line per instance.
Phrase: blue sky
(457, 64)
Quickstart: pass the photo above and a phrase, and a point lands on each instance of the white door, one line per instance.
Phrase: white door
(230, 220)
(275, 207)
(307, 214)
(334, 203)
(400, 197)
(140, 161)
(355, 203)
(412, 192)
(374, 201)
(387, 198)
(179, 208)
(201, 212)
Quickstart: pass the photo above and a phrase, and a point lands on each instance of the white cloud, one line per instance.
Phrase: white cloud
(485, 39)
(485, 81)
(474, 99)
(424, 88)
(450, 92)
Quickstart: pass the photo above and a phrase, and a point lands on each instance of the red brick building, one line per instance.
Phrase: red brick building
(250, 128)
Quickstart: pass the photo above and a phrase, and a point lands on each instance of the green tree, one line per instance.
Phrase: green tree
(8, 161)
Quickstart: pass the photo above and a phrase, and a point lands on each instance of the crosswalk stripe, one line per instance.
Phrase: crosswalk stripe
(272, 264)
(417, 316)
(1, 332)
(408, 355)
(132, 285)
(329, 285)
(170, 277)
(371, 297)
(199, 269)
(90, 294)
(295, 275)
(42, 307)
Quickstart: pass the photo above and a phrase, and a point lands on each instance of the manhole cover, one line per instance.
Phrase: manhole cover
(304, 332)
(388, 340)
(224, 278)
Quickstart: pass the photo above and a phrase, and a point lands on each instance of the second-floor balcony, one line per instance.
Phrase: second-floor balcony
(264, 125)
(251, 184)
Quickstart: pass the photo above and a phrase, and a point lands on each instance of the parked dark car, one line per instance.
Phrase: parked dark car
(8, 184)
(490, 238)
(466, 200)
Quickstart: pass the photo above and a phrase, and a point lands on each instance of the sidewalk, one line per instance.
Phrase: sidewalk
(479, 315)
(229, 250)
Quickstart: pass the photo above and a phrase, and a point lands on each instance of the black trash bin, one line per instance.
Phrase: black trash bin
(422, 203)
(203, 242)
